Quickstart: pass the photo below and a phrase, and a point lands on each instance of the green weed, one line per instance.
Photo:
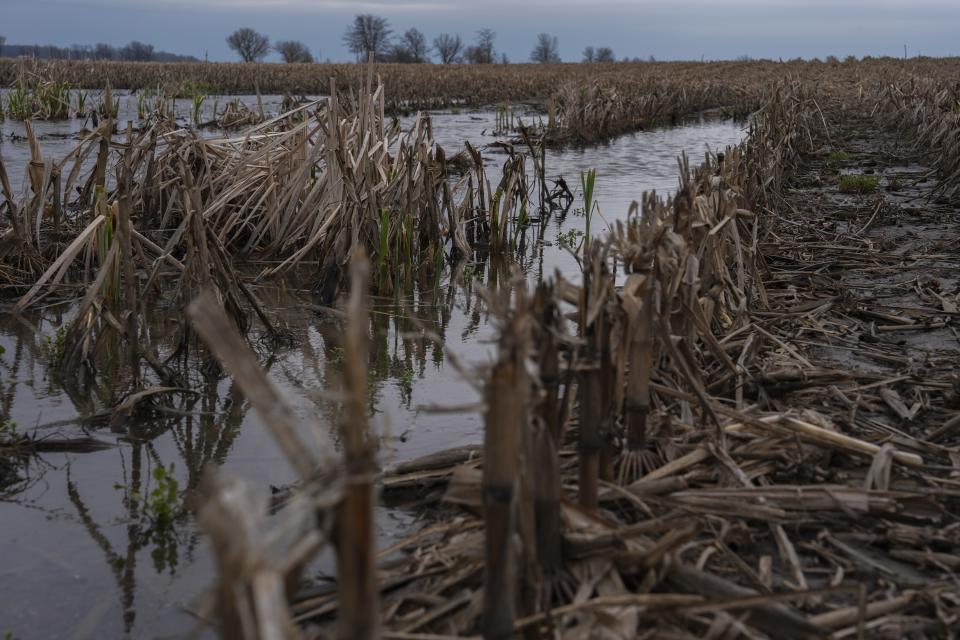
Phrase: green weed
(405, 378)
(858, 183)
(837, 157)
(39, 100)
(163, 504)
(570, 239)
(197, 99)
(10, 437)
(161, 508)
(470, 272)
(56, 347)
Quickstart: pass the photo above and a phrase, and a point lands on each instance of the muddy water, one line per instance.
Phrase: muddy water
(79, 560)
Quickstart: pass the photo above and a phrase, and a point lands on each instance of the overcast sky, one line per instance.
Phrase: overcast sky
(666, 29)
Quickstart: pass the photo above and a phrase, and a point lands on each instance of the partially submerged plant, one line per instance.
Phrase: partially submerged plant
(107, 106)
(10, 437)
(197, 99)
(587, 182)
(81, 109)
(35, 99)
(236, 114)
(158, 512)
(143, 103)
(55, 347)
(405, 379)
(570, 239)
(504, 119)
(163, 505)
(19, 106)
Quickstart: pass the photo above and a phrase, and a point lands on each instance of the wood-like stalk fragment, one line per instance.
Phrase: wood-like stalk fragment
(638, 303)
(356, 530)
(501, 444)
(590, 393)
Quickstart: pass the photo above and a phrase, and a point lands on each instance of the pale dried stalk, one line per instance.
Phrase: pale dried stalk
(356, 530)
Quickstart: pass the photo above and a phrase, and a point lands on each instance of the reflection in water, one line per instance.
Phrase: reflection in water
(161, 451)
(78, 527)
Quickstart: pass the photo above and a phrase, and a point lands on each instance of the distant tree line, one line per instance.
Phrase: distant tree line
(371, 35)
(600, 54)
(135, 50)
(368, 35)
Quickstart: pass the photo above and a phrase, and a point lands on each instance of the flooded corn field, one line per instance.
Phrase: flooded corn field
(609, 350)
(75, 527)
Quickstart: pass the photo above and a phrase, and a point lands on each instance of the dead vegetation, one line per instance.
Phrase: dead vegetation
(742, 421)
(409, 88)
(693, 457)
(926, 112)
(134, 222)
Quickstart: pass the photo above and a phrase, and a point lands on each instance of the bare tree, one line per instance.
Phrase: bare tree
(3, 41)
(368, 34)
(293, 51)
(604, 54)
(600, 54)
(485, 39)
(137, 51)
(412, 48)
(81, 51)
(448, 47)
(482, 52)
(416, 44)
(546, 49)
(103, 51)
(249, 44)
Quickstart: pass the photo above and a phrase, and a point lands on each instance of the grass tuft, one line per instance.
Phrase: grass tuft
(858, 183)
(837, 157)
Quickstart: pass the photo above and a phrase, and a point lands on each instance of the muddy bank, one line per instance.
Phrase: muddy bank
(878, 272)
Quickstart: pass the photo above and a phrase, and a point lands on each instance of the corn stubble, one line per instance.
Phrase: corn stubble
(645, 471)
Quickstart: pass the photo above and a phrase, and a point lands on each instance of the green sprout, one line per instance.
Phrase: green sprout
(587, 182)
